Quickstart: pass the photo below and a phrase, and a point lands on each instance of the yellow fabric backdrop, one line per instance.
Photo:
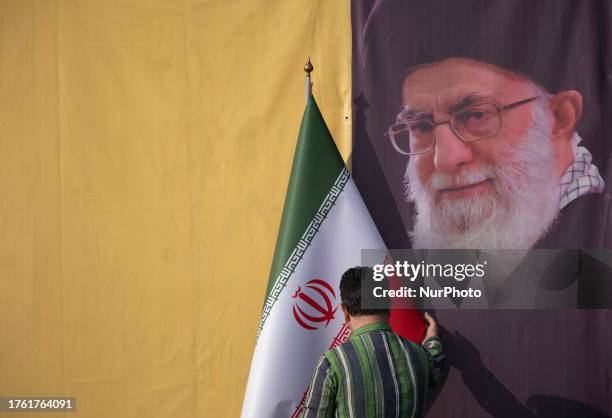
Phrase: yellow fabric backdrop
(145, 148)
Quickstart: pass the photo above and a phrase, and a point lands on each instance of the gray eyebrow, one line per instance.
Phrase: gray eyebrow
(406, 114)
(470, 99)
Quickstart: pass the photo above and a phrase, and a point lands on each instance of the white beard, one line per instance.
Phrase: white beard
(520, 211)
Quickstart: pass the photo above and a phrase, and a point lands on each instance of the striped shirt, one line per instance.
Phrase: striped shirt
(375, 373)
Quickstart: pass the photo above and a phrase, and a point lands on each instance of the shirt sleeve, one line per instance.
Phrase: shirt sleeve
(321, 397)
(435, 352)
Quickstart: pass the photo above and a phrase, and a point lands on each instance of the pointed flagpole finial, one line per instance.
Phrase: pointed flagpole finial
(308, 68)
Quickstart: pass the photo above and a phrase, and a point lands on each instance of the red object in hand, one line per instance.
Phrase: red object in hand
(405, 320)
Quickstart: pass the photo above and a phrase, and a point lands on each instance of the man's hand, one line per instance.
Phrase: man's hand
(432, 326)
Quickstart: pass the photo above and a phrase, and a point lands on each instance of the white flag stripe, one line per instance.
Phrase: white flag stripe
(303, 244)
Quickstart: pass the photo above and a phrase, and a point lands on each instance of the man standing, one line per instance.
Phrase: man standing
(375, 373)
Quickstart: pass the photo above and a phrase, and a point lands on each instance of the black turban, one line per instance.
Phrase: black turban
(559, 44)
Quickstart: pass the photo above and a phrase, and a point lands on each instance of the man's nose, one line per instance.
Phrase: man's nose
(450, 151)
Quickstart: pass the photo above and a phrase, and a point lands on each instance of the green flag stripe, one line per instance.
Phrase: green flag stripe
(316, 165)
(298, 252)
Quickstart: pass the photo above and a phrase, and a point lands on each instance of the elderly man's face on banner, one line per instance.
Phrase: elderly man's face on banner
(486, 149)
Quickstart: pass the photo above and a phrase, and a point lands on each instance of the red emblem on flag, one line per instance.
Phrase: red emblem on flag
(313, 307)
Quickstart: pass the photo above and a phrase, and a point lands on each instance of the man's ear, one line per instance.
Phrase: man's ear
(566, 109)
(345, 313)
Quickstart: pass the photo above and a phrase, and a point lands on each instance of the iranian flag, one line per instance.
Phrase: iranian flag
(324, 226)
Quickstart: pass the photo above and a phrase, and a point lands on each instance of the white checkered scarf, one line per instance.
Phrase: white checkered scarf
(581, 177)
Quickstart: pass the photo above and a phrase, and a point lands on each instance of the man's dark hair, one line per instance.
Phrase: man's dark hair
(350, 291)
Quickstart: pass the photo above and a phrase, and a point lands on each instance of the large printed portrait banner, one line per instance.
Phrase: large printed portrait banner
(487, 125)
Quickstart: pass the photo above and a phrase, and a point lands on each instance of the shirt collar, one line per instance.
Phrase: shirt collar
(377, 326)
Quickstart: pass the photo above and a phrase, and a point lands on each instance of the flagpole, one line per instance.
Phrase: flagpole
(308, 68)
